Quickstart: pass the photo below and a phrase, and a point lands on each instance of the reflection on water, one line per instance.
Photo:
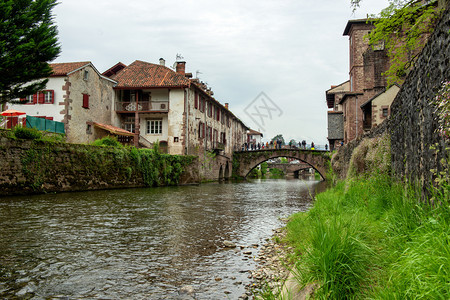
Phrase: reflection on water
(140, 243)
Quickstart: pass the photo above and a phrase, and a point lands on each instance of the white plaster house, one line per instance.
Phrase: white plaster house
(166, 106)
(77, 95)
(150, 101)
(378, 108)
(254, 137)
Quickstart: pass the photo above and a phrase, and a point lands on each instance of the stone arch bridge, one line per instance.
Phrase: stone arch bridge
(245, 161)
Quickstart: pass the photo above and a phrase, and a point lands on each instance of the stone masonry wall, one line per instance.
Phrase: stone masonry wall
(413, 122)
(31, 166)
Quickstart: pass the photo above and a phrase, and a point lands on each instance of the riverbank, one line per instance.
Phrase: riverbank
(367, 238)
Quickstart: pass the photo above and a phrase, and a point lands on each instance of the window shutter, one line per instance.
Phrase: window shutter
(85, 101)
(196, 100)
(34, 98)
(52, 92)
(41, 98)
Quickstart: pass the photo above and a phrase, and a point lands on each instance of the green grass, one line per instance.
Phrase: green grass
(371, 238)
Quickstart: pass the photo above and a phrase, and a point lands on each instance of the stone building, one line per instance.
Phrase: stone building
(364, 101)
(171, 108)
(77, 95)
(366, 65)
(144, 100)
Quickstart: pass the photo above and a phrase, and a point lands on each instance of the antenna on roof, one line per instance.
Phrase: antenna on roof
(179, 57)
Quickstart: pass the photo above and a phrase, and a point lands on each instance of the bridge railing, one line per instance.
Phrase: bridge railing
(286, 147)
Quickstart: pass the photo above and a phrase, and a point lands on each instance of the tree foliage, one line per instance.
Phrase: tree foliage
(28, 41)
(402, 28)
(279, 137)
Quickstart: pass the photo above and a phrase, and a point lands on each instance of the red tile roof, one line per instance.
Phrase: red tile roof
(114, 70)
(62, 69)
(254, 132)
(141, 74)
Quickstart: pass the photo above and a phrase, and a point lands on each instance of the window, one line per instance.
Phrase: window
(202, 104)
(49, 96)
(196, 100)
(385, 112)
(201, 130)
(30, 99)
(154, 126)
(208, 131)
(85, 101)
(86, 75)
(209, 109)
(223, 139)
(215, 136)
(128, 124)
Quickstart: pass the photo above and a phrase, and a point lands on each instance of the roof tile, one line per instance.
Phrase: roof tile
(62, 69)
(142, 74)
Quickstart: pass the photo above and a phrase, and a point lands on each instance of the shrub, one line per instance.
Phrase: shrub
(108, 141)
(27, 133)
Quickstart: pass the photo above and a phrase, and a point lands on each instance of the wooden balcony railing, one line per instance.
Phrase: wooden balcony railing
(157, 106)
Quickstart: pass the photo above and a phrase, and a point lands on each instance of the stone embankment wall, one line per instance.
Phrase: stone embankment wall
(413, 123)
(31, 166)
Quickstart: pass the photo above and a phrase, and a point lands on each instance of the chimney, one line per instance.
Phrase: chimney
(181, 66)
(162, 61)
(226, 106)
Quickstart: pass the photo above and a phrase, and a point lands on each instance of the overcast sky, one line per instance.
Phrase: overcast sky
(290, 50)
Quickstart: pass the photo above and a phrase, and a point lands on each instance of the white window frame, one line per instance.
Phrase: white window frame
(29, 99)
(48, 97)
(154, 126)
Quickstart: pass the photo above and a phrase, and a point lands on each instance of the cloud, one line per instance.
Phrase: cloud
(292, 50)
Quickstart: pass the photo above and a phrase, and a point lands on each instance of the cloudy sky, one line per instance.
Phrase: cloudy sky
(290, 50)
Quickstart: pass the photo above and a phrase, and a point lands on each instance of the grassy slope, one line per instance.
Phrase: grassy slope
(370, 237)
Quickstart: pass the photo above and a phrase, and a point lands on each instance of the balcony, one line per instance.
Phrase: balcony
(144, 106)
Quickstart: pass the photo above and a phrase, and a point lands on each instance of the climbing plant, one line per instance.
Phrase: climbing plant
(402, 29)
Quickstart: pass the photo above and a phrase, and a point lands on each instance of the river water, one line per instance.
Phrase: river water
(141, 243)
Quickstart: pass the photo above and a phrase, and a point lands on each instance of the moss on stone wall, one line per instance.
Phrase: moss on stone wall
(36, 166)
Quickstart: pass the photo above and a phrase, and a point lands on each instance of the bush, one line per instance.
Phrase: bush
(108, 141)
(27, 133)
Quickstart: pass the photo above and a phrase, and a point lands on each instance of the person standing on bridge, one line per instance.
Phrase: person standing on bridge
(312, 145)
(304, 144)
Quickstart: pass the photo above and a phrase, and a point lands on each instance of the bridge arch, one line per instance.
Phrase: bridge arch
(245, 161)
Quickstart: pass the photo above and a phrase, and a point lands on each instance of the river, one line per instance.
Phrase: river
(141, 243)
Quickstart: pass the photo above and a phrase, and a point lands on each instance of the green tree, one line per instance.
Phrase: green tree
(28, 41)
(279, 137)
(402, 28)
